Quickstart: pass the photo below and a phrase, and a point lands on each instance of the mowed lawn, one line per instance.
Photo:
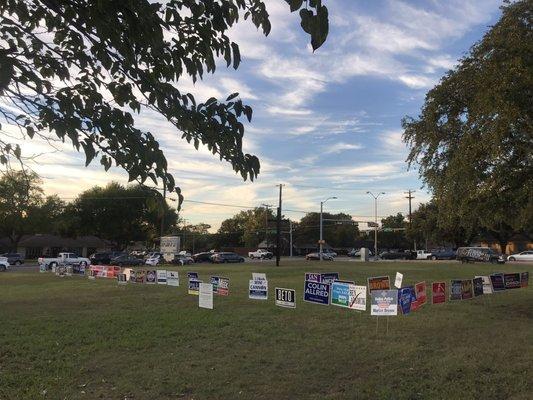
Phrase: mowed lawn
(73, 338)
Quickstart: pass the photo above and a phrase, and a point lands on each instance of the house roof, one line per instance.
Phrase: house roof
(47, 240)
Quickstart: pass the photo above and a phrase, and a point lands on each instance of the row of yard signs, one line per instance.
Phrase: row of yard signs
(327, 288)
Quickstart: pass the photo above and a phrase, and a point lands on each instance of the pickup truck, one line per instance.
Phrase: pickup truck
(423, 255)
(262, 254)
(64, 259)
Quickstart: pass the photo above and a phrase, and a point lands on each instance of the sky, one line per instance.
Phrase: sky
(325, 123)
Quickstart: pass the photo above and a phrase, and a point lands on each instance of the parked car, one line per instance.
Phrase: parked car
(262, 254)
(203, 257)
(180, 259)
(155, 260)
(443, 254)
(423, 255)
(185, 253)
(4, 264)
(357, 253)
(398, 255)
(153, 254)
(13, 258)
(523, 256)
(65, 259)
(104, 257)
(226, 257)
(482, 254)
(316, 256)
(126, 259)
(329, 252)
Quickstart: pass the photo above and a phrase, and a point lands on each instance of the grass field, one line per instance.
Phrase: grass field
(72, 338)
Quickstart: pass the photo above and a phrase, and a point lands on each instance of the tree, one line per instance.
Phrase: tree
(23, 208)
(247, 228)
(81, 69)
(338, 229)
(472, 140)
(121, 214)
(391, 238)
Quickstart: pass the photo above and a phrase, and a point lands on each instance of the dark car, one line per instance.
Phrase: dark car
(126, 259)
(357, 253)
(203, 257)
(13, 258)
(226, 257)
(442, 254)
(398, 255)
(481, 254)
(104, 257)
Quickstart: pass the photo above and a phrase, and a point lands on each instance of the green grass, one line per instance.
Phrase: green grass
(72, 338)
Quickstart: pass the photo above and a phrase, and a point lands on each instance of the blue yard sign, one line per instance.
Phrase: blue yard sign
(316, 292)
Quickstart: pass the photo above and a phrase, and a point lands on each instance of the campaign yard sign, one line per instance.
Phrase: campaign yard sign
(524, 279)
(151, 276)
(194, 287)
(378, 283)
(340, 294)
(487, 285)
(512, 280)
(139, 276)
(358, 297)
(223, 286)
(455, 289)
(192, 275)
(162, 276)
(173, 278)
(420, 291)
(259, 276)
(405, 297)
(133, 276)
(438, 292)
(497, 282)
(258, 289)
(316, 292)
(329, 277)
(205, 299)
(477, 283)
(121, 279)
(286, 298)
(384, 302)
(467, 291)
(398, 280)
(313, 277)
(215, 281)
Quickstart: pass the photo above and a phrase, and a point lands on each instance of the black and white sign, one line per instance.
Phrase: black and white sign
(286, 297)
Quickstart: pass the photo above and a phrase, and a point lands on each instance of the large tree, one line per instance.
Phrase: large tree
(338, 230)
(473, 138)
(121, 214)
(23, 208)
(80, 70)
(247, 228)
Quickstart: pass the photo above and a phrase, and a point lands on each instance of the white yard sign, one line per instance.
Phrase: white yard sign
(173, 278)
(398, 280)
(205, 299)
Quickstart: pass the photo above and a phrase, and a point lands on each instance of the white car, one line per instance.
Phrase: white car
(261, 254)
(423, 255)
(155, 260)
(4, 264)
(71, 259)
(523, 256)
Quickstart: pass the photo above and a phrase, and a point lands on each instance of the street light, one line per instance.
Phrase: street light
(321, 242)
(375, 221)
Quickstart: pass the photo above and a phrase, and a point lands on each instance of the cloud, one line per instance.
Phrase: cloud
(340, 147)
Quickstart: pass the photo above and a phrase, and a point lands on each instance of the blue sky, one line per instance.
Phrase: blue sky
(325, 123)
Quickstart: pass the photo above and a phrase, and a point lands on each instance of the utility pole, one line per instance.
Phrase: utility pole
(290, 236)
(375, 221)
(321, 241)
(278, 228)
(267, 207)
(411, 197)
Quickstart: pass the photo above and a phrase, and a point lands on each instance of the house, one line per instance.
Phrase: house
(34, 246)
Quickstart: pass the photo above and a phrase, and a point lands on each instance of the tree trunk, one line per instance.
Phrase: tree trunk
(503, 245)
